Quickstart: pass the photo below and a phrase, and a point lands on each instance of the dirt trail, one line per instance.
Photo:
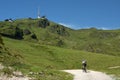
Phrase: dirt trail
(90, 75)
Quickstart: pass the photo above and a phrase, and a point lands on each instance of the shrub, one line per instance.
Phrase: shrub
(13, 32)
(18, 33)
(43, 23)
(60, 43)
(1, 41)
(26, 32)
(33, 36)
(59, 29)
(7, 71)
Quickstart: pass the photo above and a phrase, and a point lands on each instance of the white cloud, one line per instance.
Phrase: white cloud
(103, 28)
(97, 27)
(70, 25)
(73, 26)
(67, 25)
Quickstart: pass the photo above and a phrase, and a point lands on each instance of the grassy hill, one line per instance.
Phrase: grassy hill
(8, 58)
(98, 41)
(50, 33)
(46, 47)
(50, 59)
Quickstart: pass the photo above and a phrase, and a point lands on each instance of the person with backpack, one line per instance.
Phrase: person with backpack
(84, 66)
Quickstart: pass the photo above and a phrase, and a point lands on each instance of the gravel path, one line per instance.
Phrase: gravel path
(90, 75)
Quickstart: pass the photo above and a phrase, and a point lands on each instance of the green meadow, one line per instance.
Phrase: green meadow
(50, 60)
(45, 48)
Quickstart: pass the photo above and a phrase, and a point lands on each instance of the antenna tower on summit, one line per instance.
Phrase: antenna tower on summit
(38, 13)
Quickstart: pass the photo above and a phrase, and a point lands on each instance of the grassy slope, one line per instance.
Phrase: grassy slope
(7, 57)
(92, 40)
(34, 62)
(43, 57)
(48, 59)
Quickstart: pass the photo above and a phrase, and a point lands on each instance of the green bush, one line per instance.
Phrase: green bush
(1, 41)
(26, 32)
(60, 43)
(13, 32)
(18, 33)
(43, 23)
(58, 29)
(7, 71)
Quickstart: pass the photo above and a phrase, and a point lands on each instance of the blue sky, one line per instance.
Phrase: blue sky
(76, 14)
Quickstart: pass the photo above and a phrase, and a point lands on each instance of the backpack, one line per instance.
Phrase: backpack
(84, 63)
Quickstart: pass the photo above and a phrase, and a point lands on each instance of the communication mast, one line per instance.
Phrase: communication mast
(38, 13)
